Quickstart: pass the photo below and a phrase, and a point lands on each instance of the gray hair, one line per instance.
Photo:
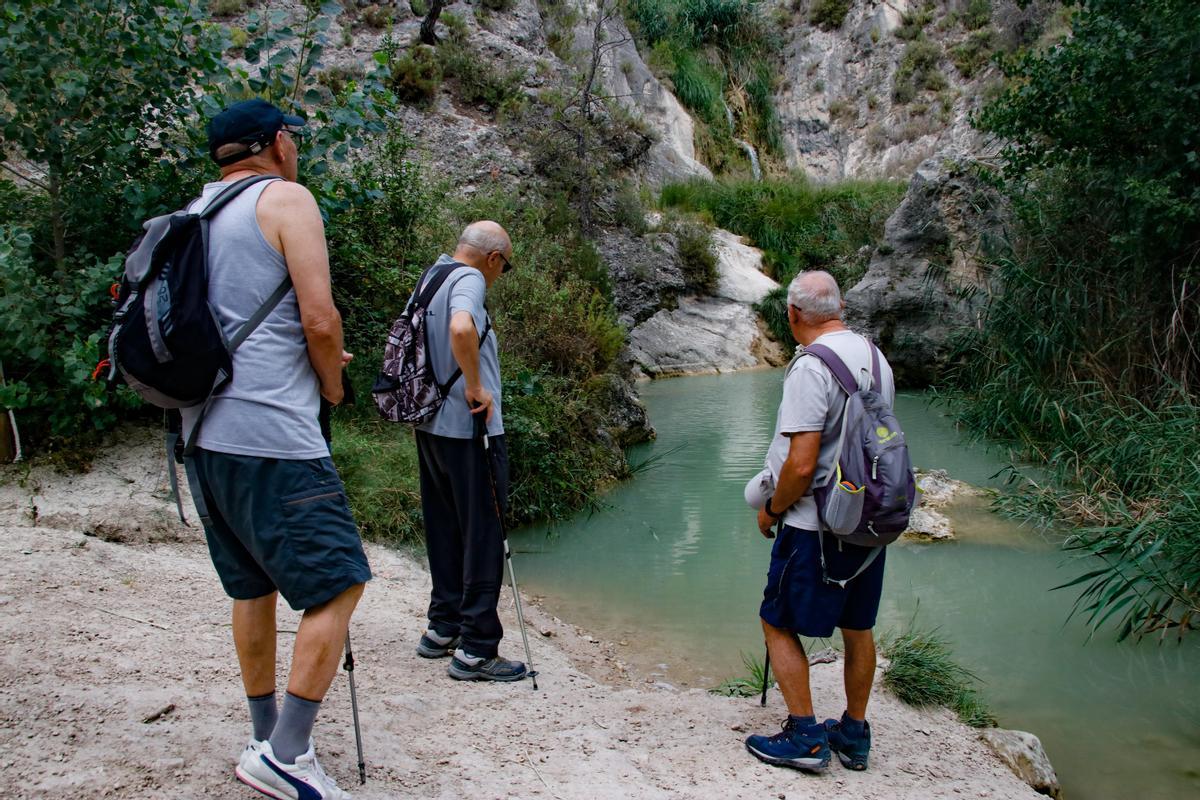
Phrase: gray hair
(485, 236)
(816, 296)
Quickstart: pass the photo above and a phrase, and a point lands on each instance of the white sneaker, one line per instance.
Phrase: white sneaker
(253, 747)
(304, 780)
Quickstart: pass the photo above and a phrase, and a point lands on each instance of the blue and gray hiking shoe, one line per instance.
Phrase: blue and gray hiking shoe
(796, 746)
(434, 646)
(471, 668)
(852, 751)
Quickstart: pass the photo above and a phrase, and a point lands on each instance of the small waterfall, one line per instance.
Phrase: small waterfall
(751, 153)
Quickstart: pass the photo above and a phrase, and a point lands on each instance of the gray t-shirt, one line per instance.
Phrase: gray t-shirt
(464, 290)
(813, 401)
(270, 407)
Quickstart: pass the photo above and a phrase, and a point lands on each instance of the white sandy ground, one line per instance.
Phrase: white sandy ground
(110, 613)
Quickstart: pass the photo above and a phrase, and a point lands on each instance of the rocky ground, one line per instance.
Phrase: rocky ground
(118, 679)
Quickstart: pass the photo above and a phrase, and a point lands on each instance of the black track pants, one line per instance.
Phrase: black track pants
(463, 537)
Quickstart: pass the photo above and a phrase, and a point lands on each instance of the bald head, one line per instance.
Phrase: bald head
(816, 297)
(485, 237)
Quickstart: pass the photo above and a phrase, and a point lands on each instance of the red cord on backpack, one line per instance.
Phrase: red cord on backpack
(103, 365)
(115, 291)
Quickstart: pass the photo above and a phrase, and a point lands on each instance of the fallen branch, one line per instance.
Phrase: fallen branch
(157, 715)
(122, 616)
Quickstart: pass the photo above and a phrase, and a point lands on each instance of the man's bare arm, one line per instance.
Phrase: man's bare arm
(292, 215)
(795, 476)
(464, 344)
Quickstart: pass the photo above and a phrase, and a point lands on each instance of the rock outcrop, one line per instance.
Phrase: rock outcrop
(624, 76)
(928, 278)
(645, 273)
(937, 490)
(840, 109)
(721, 333)
(1025, 756)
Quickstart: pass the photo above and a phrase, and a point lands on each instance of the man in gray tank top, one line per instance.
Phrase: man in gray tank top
(275, 511)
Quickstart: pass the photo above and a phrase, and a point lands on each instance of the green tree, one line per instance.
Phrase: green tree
(1088, 356)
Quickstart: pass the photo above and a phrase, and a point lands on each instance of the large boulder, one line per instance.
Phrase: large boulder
(645, 273)
(1025, 756)
(929, 277)
(721, 333)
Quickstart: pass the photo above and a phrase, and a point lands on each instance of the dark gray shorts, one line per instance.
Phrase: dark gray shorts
(275, 523)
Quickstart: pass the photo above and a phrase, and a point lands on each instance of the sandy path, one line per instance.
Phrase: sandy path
(100, 635)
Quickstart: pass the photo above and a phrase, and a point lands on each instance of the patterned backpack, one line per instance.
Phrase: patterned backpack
(407, 390)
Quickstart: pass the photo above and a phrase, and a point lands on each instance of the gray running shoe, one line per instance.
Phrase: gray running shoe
(490, 669)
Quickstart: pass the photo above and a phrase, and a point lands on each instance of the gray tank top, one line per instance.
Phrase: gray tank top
(270, 408)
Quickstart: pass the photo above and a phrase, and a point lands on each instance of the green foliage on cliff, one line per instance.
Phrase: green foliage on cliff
(720, 57)
(1088, 357)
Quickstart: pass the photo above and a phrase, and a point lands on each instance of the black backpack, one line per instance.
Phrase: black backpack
(166, 341)
(407, 390)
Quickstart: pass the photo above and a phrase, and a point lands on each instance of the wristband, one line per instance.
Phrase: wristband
(771, 513)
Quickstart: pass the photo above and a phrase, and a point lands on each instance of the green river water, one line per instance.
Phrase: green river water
(672, 568)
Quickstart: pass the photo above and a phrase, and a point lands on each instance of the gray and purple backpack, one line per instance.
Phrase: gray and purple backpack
(407, 390)
(872, 490)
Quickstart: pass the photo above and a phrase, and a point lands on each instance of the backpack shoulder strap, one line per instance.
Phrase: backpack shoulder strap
(233, 190)
(424, 295)
(840, 371)
(876, 374)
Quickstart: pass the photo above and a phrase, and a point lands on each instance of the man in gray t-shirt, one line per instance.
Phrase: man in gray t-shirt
(463, 537)
(798, 601)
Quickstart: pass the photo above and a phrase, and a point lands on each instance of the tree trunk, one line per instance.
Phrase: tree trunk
(428, 34)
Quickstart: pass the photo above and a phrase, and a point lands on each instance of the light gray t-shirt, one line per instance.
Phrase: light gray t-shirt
(813, 401)
(270, 408)
(464, 290)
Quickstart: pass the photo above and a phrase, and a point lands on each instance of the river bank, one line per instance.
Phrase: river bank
(112, 617)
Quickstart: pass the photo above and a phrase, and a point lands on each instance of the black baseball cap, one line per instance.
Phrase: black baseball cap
(253, 123)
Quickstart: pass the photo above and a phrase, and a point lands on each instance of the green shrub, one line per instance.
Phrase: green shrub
(772, 309)
(913, 24)
(798, 225)
(477, 81)
(238, 37)
(918, 71)
(378, 17)
(699, 86)
(922, 672)
(417, 75)
(228, 8)
(828, 14)
(977, 14)
(697, 257)
(973, 55)
(377, 461)
(338, 78)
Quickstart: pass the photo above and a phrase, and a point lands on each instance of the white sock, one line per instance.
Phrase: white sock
(470, 661)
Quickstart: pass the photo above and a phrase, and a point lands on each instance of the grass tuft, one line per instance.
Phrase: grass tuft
(922, 672)
(748, 685)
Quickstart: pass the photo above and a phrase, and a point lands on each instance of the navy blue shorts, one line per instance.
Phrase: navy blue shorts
(281, 524)
(797, 599)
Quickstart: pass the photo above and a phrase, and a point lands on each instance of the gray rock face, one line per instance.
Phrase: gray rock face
(702, 335)
(626, 422)
(928, 278)
(837, 104)
(711, 334)
(1025, 756)
(645, 273)
(625, 77)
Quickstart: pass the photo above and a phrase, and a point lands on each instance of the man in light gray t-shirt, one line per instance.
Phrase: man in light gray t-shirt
(798, 601)
(463, 537)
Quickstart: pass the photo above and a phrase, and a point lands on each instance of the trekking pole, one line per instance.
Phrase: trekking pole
(349, 667)
(481, 430)
(766, 677)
